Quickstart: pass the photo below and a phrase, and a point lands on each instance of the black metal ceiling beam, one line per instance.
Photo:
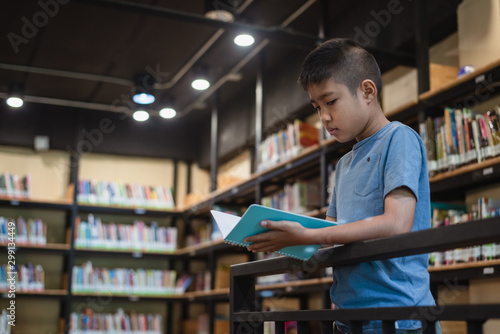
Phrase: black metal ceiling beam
(273, 33)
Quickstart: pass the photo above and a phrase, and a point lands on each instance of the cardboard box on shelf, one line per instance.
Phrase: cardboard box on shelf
(478, 32)
(400, 85)
(222, 271)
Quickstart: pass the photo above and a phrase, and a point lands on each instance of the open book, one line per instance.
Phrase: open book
(235, 229)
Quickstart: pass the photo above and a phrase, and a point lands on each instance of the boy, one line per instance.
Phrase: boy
(381, 186)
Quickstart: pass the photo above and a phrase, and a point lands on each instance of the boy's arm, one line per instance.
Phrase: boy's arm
(397, 218)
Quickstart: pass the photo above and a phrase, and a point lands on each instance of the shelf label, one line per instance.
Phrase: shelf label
(480, 78)
(137, 254)
(14, 202)
(234, 190)
(134, 298)
(289, 165)
(487, 171)
(488, 271)
(139, 211)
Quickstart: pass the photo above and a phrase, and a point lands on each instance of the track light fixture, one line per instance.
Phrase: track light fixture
(143, 91)
(244, 40)
(221, 10)
(200, 78)
(15, 99)
(141, 115)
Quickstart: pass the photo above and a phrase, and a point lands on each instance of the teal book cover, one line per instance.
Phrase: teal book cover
(235, 229)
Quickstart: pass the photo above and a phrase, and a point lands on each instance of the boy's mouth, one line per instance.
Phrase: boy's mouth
(331, 130)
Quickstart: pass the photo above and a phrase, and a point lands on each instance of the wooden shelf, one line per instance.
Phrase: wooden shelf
(466, 265)
(44, 293)
(54, 247)
(429, 94)
(59, 204)
(465, 169)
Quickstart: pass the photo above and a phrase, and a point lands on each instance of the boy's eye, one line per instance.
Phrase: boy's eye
(317, 109)
(329, 103)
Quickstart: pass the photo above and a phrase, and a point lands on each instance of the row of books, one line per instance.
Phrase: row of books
(87, 279)
(124, 194)
(28, 278)
(15, 186)
(4, 322)
(444, 214)
(138, 236)
(285, 144)
(30, 232)
(459, 138)
(89, 322)
(299, 197)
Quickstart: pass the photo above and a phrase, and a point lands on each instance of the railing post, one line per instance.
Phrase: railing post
(388, 327)
(475, 326)
(429, 327)
(242, 297)
(327, 327)
(302, 327)
(356, 327)
(279, 327)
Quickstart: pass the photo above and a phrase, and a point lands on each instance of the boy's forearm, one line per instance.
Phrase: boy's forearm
(366, 229)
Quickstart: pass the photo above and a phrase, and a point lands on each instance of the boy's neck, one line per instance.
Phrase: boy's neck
(377, 122)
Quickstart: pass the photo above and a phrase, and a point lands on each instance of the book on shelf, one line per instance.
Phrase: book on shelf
(235, 229)
(94, 234)
(460, 137)
(15, 186)
(286, 143)
(89, 322)
(5, 318)
(28, 278)
(88, 279)
(30, 232)
(124, 194)
(444, 214)
(299, 197)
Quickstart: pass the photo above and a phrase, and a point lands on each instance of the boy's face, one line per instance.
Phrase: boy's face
(343, 115)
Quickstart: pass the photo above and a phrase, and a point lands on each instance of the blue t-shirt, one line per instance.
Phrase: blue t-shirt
(391, 158)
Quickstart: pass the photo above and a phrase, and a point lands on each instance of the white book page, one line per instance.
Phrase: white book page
(225, 221)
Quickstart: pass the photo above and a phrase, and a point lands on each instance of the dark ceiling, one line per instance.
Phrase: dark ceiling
(84, 54)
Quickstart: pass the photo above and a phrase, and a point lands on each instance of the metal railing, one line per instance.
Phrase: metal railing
(246, 316)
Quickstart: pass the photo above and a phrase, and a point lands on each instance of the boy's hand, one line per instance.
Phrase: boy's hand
(283, 234)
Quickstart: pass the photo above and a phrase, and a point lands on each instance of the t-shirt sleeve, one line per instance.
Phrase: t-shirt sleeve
(404, 162)
(332, 208)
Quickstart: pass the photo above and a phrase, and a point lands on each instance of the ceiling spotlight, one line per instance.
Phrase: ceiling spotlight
(143, 98)
(15, 102)
(168, 113)
(141, 115)
(244, 40)
(15, 99)
(143, 92)
(200, 84)
(217, 10)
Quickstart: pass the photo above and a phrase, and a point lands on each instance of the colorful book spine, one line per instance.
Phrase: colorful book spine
(122, 281)
(124, 194)
(137, 237)
(15, 186)
(459, 138)
(89, 322)
(29, 278)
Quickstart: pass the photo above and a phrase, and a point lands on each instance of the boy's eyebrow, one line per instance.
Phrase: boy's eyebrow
(322, 96)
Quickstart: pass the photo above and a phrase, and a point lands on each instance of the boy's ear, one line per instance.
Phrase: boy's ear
(369, 90)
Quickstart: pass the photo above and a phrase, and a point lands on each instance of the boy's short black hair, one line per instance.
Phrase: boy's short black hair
(342, 60)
